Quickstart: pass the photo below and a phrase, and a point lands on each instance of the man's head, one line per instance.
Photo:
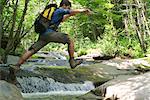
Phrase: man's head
(66, 4)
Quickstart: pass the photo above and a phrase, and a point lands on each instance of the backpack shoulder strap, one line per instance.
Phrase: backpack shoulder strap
(49, 10)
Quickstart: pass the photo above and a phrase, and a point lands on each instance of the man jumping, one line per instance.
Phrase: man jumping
(51, 35)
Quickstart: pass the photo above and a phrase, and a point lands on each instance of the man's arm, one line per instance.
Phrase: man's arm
(65, 17)
(74, 12)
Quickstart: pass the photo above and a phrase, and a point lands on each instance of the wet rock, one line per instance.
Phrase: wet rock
(59, 78)
(9, 91)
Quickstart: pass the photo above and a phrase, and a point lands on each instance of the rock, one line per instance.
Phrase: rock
(39, 77)
(49, 55)
(90, 56)
(104, 57)
(3, 75)
(90, 96)
(133, 88)
(12, 59)
(9, 91)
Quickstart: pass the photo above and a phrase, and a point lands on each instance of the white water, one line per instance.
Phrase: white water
(50, 86)
(54, 93)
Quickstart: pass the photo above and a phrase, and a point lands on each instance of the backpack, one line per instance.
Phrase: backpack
(43, 21)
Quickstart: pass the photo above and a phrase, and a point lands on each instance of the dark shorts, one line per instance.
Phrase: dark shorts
(44, 39)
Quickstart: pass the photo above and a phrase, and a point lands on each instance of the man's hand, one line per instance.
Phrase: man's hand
(87, 11)
(76, 11)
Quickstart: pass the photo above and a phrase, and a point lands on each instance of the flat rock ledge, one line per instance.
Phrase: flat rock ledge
(124, 88)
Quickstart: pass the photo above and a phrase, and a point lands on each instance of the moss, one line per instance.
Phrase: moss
(67, 75)
(2, 51)
(82, 52)
(52, 67)
(143, 68)
(147, 59)
(35, 56)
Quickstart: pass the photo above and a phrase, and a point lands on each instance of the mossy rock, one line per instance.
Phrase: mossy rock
(57, 98)
(97, 73)
(67, 75)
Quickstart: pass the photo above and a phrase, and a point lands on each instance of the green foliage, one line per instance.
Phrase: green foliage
(93, 26)
(103, 30)
(148, 7)
(2, 51)
(82, 51)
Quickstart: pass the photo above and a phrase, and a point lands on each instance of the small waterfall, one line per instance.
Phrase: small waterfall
(42, 86)
(45, 84)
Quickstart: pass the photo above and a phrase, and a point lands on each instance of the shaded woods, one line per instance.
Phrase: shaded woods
(116, 27)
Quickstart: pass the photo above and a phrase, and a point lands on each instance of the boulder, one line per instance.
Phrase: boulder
(12, 59)
(9, 91)
(123, 88)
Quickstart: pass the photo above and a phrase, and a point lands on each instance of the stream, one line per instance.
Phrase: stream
(48, 76)
(35, 85)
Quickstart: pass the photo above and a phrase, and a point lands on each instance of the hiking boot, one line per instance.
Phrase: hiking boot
(13, 69)
(75, 62)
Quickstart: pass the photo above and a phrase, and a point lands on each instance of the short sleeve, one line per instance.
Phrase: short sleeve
(66, 11)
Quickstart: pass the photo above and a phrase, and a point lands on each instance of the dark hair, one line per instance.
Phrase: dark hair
(65, 2)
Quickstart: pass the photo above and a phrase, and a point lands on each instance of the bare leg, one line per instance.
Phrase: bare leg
(71, 49)
(14, 69)
(72, 61)
(22, 59)
(25, 56)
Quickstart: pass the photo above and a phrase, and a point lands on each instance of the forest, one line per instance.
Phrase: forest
(115, 27)
(111, 41)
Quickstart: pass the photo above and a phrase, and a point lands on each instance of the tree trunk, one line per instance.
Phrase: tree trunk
(136, 20)
(2, 4)
(141, 24)
(11, 34)
(1, 24)
(16, 29)
(18, 35)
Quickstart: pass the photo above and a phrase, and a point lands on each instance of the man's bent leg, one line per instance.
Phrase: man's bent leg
(25, 56)
(14, 69)
(32, 50)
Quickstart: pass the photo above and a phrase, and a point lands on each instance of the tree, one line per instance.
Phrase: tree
(124, 21)
(11, 26)
(134, 19)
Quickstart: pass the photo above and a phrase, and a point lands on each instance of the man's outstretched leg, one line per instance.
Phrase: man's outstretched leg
(72, 61)
(58, 37)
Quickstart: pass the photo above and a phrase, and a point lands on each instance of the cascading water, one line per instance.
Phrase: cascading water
(43, 85)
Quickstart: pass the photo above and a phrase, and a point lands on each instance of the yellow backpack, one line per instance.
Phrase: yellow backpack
(42, 22)
(48, 11)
